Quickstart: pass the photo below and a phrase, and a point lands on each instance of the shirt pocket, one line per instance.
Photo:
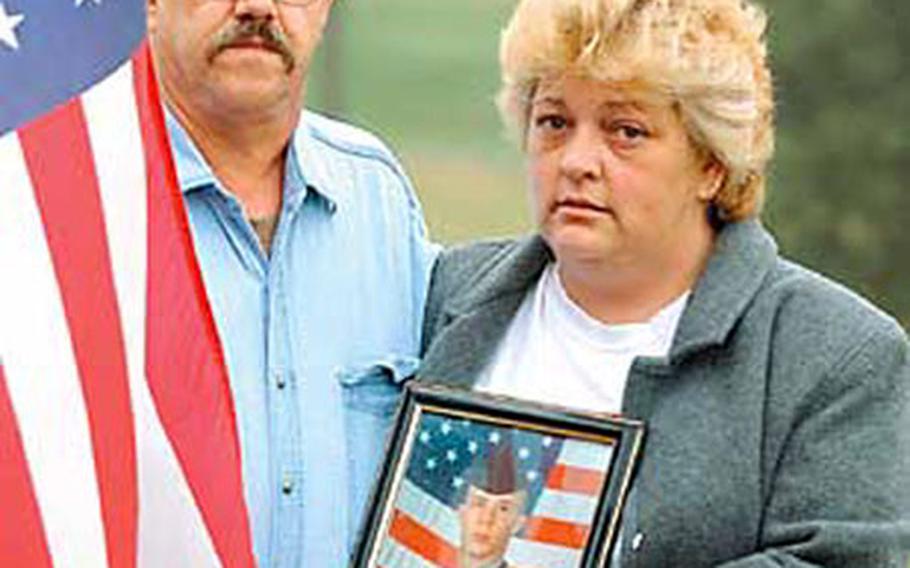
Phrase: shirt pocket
(375, 388)
(370, 394)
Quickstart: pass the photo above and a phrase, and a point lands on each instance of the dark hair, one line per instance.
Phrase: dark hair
(495, 472)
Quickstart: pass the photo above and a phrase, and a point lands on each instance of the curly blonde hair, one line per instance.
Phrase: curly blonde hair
(708, 56)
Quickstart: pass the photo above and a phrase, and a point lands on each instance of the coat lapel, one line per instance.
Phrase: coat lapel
(475, 322)
(744, 253)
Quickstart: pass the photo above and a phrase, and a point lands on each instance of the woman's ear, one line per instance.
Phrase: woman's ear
(715, 174)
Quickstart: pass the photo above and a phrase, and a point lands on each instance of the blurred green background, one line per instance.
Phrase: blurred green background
(423, 74)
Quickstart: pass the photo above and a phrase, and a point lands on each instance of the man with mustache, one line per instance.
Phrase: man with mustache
(314, 257)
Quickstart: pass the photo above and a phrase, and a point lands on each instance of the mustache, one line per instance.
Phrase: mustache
(240, 31)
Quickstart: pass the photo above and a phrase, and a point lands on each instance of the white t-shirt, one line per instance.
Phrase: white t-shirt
(554, 352)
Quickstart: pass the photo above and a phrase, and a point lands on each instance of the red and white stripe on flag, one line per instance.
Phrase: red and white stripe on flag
(118, 443)
(425, 533)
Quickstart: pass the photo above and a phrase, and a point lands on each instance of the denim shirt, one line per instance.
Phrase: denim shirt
(318, 335)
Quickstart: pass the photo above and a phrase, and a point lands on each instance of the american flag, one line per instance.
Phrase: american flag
(117, 432)
(564, 478)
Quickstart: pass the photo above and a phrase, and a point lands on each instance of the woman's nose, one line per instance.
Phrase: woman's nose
(582, 156)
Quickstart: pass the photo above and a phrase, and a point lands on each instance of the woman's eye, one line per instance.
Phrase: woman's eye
(551, 122)
(630, 132)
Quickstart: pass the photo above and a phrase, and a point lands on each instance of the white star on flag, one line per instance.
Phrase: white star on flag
(8, 24)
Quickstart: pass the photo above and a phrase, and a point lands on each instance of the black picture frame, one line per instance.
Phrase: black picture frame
(423, 490)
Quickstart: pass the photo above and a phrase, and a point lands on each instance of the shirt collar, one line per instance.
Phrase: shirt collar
(744, 253)
(309, 152)
(193, 172)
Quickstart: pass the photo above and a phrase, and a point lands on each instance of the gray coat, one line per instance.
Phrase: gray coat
(778, 429)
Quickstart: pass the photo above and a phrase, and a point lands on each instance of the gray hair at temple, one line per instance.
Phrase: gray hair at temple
(708, 56)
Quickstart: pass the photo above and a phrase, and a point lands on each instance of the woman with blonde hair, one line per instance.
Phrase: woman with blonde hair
(776, 401)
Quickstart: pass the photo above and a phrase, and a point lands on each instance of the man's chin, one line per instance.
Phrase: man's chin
(481, 557)
(248, 67)
(243, 91)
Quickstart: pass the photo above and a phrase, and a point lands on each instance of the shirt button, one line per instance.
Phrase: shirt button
(280, 381)
(287, 486)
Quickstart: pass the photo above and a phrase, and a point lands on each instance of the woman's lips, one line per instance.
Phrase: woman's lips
(580, 205)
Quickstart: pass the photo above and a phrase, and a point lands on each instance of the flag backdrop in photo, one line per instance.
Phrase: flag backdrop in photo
(118, 444)
(564, 478)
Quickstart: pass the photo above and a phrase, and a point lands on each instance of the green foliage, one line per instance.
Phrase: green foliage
(839, 193)
(424, 74)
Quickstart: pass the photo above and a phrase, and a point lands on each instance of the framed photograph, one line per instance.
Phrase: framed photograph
(477, 480)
